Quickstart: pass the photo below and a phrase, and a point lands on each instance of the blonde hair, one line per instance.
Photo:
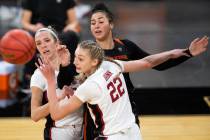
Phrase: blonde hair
(96, 52)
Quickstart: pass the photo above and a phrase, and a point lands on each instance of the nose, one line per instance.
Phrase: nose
(75, 61)
(97, 25)
(43, 45)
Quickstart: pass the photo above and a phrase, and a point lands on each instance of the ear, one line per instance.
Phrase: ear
(111, 25)
(94, 62)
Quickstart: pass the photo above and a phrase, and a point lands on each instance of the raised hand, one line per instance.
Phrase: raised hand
(198, 46)
(46, 69)
(64, 55)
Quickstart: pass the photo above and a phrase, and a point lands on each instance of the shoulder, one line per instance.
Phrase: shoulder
(37, 76)
(123, 41)
(37, 72)
(38, 80)
(114, 67)
(129, 43)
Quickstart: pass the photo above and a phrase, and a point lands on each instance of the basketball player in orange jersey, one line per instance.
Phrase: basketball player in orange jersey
(103, 89)
(69, 127)
(102, 24)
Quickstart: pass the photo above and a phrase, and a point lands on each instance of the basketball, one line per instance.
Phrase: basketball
(17, 46)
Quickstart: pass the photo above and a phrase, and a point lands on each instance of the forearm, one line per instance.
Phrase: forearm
(156, 59)
(53, 100)
(171, 63)
(28, 26)
(39, 112)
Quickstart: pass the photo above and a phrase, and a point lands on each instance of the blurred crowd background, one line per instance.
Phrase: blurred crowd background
(156, 26)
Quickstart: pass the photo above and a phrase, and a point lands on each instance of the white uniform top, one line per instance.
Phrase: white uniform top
(107, 98)
(38, 80)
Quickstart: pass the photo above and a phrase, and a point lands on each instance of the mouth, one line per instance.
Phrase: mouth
(46, 52)
(98, 32)
(77, 69)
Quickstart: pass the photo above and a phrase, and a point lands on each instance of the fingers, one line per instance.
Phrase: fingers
(196, 40)
(42, 63)
(39, 64)
(203, 41)
(60, 47)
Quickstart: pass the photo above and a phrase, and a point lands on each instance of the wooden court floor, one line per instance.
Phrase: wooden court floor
(190, 127)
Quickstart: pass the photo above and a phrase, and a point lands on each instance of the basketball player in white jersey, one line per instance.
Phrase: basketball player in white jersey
(103, 89)
(70, 126)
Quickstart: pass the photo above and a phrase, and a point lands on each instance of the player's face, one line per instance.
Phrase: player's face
(100, 26)
(45, 44)
(83, 62)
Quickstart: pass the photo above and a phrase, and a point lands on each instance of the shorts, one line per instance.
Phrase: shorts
(70, 132)
(132, 133)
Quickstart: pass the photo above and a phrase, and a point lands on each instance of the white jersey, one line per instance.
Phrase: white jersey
(106, 94)
(38, 80)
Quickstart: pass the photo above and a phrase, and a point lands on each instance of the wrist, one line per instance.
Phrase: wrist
(188, 52)
(51, 82)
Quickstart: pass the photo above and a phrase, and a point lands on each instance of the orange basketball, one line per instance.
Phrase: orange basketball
(17, 46)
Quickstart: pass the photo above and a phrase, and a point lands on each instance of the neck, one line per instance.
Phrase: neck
(106, 44)
(91, 72)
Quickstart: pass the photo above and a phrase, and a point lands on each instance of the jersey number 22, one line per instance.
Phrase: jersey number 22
(116, 89)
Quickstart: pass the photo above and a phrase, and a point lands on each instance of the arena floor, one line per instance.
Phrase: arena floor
(181, 127)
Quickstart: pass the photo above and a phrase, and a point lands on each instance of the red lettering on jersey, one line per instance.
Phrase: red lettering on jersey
(107, 75)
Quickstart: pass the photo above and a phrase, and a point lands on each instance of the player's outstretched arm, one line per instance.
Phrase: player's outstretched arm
(152, 60)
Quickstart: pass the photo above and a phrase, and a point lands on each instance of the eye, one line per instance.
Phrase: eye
(38, 43)
(93, 23)
(80, 59)
(47, 40)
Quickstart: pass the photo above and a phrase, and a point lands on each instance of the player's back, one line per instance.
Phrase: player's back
(111, 107)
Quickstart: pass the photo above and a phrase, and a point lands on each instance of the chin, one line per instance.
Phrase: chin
(78, 71)
(99, 37)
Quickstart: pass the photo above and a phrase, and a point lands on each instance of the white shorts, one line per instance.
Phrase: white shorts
(71, 132)
(132, 133)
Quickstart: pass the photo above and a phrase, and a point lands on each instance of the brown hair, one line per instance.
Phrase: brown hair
(101, 7)
(51, 31)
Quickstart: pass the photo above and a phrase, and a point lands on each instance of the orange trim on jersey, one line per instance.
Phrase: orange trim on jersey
(119, 41)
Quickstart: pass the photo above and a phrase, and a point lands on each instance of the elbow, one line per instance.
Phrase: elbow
(54, 117)
(34, 118)
(149, 66)
(23, 23)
